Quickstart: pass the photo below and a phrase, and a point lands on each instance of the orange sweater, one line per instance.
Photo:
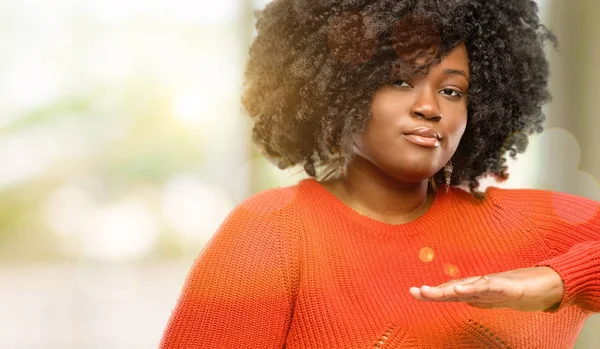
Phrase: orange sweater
(294, 267)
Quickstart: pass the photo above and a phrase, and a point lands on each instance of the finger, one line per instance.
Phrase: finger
(437, 293)
(460, 281)
(449, 289)
(466, 290)
(419, 294)
(475, 286)
(461, 299)
(472, 301)
(416, 293)
(477, 290)
(488, 288)
(485, 279)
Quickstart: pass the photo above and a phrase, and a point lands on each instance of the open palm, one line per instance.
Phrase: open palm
(525, 289)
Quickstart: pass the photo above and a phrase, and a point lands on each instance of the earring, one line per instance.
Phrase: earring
(448, 172)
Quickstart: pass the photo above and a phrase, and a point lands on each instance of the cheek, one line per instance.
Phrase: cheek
(382, 126)
(374, 138)
(458, 131)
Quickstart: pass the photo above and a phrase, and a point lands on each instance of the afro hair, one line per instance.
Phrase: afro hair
(315, 65)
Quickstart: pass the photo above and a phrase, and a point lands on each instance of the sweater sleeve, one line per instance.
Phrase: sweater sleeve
(240, 290)
(569, 226)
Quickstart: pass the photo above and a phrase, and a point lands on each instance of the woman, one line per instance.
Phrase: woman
(393, 105)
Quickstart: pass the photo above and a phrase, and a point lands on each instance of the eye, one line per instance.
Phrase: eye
(401, 83)
(452, 93)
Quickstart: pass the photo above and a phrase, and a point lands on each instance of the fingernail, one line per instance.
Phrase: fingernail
(460, 287)
(424, 287)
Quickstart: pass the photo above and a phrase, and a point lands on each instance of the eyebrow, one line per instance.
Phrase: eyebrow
(457, 72)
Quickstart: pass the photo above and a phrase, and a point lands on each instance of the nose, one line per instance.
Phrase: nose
(426, 106)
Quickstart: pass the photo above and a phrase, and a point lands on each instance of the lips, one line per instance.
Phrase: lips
(425, 132)
(424, 136)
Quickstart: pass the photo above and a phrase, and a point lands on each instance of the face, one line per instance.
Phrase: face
(432, 105)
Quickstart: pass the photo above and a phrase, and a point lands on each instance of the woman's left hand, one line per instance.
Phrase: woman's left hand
(525, 289)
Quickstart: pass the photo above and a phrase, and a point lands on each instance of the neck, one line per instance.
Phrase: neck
(370, 191)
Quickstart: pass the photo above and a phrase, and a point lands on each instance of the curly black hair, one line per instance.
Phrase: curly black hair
(315, 65)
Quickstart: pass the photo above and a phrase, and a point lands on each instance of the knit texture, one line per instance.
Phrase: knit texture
(295, 267)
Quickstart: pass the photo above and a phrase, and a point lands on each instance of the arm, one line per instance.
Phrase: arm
(570, 227)
(240, 291)
(579, 269)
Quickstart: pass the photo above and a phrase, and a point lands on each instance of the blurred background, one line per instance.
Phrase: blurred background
(123, 147)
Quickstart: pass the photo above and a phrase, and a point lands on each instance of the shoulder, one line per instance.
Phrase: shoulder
(270, 201)
(519, 196)
(266, 210)
(546, 205)
(537, 197)
(265, 221)
(283, 200)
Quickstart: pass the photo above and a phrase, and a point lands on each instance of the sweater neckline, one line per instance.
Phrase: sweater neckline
(425, 223)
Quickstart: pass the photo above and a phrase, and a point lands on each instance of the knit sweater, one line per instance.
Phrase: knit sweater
(294, 267)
